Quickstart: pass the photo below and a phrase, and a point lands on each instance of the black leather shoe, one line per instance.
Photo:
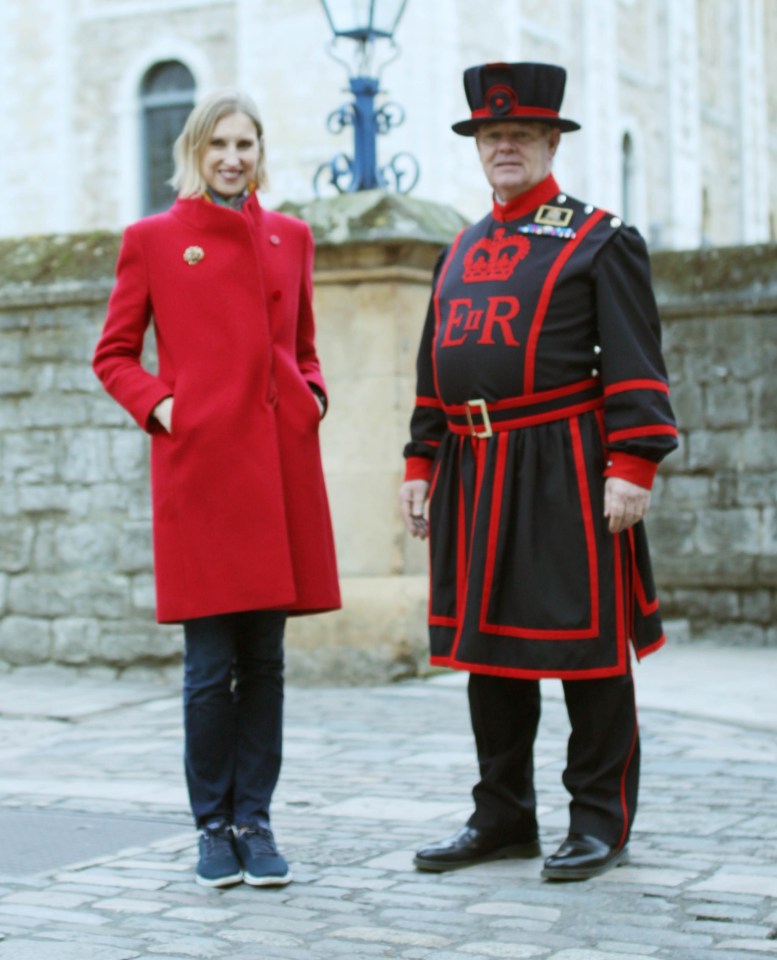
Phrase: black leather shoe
(470, 846)
(582, 856)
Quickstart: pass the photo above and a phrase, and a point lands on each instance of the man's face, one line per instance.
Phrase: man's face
(516, 156)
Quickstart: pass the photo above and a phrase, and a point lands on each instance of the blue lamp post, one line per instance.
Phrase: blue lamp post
(365, 22)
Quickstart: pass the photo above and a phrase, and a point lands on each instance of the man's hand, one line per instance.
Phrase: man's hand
(163, 412)
(624, 503)
(412, 499)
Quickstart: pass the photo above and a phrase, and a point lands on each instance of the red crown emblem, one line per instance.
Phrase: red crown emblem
(494, 258)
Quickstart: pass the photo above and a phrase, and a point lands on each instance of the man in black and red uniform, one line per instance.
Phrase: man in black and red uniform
(542, 413)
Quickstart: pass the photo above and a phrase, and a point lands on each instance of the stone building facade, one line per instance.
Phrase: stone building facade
(678, 101)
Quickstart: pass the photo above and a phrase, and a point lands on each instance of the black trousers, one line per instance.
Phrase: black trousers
(602, 771)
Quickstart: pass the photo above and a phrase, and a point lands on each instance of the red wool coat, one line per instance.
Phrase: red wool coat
(241, 519)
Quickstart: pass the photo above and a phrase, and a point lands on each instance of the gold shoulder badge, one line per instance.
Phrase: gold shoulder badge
(554, 216)
(193, 255)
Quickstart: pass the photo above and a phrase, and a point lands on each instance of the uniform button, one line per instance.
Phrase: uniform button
(562, 198)
(594, 372)
(615, 222)
(589, 208)
(275, 239)
(597, 349)
(276, 295)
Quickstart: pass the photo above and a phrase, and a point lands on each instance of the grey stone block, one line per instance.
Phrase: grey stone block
(52, 498)
(136, 641)
(734, 531)
(672, 532)
(129, 455)
(724, 570)
(86, 456)
(714, 450)
(86, 546)
(69, 594)
(25, 640)
(707, 605)
(30, 457)
(144, 594)
(757, 605)
(755, 488)
(135, 547)
(64, 410)
(688, 404)
(728, 404)
(759, 449)
(14, 382)
(737, 634)
(16, 540)
(76, 640)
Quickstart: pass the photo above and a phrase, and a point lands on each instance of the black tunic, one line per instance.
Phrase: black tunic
(543, 332)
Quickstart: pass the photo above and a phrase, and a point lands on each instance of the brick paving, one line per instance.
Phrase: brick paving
(369, 774)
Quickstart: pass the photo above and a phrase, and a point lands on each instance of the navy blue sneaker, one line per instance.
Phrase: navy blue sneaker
(263, 865)
(218, 865)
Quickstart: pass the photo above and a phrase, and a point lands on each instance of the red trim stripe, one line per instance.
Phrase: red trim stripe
(436, 299)
(625, 385)
(646, 651)
(624, 802)
(547, 289)
(565, 413)
(537, 633)
(479, 450)
(595, 674)
(517, 111)
(436, 620)
(621, 630)
(428, 402)
(646, 607)
(528, 399)
(657, 429)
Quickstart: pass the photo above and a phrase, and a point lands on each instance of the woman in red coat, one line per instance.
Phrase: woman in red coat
(242, 532)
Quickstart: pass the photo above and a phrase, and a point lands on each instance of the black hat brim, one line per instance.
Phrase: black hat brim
(468, 128)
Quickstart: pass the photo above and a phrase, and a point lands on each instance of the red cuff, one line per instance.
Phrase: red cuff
(418, 468)
(634, 469)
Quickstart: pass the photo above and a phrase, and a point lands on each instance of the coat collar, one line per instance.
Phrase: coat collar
(527, 202)
(204, 215)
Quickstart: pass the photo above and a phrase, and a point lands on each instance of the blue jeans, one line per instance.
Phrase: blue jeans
(233, 714)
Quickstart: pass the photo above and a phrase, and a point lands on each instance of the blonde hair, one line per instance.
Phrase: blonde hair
(190, 146)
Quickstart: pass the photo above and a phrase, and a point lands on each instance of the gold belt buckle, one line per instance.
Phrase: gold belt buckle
(486, 431)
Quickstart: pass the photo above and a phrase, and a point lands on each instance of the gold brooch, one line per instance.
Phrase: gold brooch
(193, 255)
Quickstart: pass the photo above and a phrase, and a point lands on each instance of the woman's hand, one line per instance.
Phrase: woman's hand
(163, 412)
(412, 499)
(624, 503)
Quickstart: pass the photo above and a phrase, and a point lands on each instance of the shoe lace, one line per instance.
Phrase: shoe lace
(216, 838)
(259, 840)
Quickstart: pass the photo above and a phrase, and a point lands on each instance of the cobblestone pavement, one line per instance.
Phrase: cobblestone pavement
(97, 852)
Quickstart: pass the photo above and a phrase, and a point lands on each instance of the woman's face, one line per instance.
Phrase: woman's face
(231, 155)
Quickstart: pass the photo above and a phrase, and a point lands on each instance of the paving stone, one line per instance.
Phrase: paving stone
(39, 950)
(349, 817)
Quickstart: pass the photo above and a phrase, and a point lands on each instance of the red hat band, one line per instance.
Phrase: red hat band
(502, 101)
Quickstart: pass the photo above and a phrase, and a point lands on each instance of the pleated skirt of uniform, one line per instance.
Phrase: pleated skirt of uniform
(526, 579)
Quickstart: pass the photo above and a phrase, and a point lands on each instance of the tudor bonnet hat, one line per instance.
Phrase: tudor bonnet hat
(498, 92)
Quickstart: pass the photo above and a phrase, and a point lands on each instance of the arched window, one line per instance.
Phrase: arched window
(628, 212)
(167, 96)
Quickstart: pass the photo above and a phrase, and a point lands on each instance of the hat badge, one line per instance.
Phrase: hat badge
(193, 255)
(502, 100)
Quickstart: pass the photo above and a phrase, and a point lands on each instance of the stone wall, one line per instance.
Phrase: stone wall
(75, 554)
(714, 522)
